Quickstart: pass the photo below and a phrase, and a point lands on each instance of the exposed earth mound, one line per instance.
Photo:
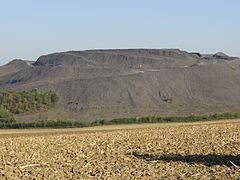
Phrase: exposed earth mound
(105, 84)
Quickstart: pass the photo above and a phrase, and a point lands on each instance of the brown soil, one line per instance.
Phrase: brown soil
(209, 150)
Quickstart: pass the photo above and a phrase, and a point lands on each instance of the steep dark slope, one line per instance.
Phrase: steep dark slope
(99, 84)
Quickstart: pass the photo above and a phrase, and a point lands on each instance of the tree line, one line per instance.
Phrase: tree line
(57, 123)
(54, 123)
(153, 119)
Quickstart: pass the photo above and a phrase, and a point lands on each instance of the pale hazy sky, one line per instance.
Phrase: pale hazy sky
(30, 28)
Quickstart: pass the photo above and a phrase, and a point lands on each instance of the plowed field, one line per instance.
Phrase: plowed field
(147, 151)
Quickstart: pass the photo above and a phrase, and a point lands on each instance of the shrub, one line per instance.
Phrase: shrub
(6, 116)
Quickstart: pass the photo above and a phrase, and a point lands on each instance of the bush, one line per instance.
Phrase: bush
(6, 116)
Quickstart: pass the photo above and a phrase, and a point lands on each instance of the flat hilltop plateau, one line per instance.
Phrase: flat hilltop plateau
(107, 84)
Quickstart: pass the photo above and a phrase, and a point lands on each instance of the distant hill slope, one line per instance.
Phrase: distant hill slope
(105, 84)
(14, 66)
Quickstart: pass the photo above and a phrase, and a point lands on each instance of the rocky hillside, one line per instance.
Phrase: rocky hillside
(105, 84)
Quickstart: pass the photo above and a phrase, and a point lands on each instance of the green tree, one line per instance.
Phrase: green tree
(6, 116)
(28, 101)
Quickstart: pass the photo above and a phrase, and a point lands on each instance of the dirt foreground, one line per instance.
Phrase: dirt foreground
(208, 150)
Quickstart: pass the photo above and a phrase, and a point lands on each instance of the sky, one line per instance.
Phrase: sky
(31, 28)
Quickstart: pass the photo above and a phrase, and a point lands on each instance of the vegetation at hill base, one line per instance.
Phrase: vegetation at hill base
(6, 116)
(28, 101)
(58, 123)
(153, 119)
(50, 123)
